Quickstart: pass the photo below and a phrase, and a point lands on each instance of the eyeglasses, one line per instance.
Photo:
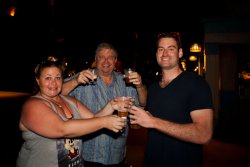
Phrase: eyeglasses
(109, 58)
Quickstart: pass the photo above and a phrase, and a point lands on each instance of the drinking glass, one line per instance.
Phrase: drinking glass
(123, 110)
(127, 72)
(93, 71)
(134, 126)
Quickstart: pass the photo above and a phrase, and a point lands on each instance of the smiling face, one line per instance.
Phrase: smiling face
(50, 81)
(168, 54)
(105, 61)
(105, 57)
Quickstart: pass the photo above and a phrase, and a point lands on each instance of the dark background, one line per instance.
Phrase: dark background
(74, 29)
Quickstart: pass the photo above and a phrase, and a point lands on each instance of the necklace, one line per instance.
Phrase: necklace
(67, 114)
(58, 105)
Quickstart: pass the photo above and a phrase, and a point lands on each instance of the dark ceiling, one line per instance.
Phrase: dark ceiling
(75, 28)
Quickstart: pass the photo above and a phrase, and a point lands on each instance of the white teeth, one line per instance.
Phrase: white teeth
(165, 59)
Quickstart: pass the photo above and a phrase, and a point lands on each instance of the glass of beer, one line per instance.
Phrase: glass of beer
(127, 72)
(123, 110)
(134, 126)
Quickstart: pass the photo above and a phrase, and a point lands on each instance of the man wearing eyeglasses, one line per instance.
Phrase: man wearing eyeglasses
(104, 148)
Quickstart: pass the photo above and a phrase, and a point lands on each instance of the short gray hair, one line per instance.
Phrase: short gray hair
(105, 46)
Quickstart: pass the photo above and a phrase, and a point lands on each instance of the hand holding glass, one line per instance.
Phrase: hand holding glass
(127, 72)
(123, 109)
(93, 71)
(123, 104)
(134, 126)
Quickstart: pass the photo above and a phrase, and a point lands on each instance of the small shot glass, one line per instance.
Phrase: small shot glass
(93, 71)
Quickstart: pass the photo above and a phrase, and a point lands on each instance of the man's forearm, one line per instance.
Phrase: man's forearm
(142, 95)
(68, 86)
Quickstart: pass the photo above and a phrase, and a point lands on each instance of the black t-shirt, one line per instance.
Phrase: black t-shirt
(184, 94)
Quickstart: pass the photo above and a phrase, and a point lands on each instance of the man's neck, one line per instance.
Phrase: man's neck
(169, 75)
(107, 79)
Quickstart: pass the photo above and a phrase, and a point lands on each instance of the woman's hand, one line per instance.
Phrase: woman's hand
(114, 123)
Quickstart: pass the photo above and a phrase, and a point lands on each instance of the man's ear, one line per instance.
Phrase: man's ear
(180, 53)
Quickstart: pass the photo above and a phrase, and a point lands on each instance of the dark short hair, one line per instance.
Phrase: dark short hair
(174, 35)
(49, 62)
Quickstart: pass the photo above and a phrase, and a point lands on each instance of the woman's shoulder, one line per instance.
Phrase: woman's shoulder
(34, 102)
(69, 98)
(34, 99)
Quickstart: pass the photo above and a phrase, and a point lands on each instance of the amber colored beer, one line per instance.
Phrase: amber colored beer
(135, 126)
(127, 73)
(123, 114)
(126, 79)
(122, 111)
